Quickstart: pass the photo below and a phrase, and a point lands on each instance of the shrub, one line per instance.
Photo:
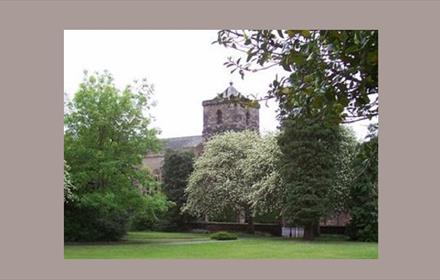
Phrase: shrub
(223, 235)
(148, 216)
(95, 218)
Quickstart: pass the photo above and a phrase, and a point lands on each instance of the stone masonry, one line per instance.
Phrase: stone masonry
(228, 114)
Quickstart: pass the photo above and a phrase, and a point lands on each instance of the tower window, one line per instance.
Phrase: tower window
(219, 117)
(248, 116)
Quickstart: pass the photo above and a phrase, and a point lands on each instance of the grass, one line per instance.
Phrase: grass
(170, 245)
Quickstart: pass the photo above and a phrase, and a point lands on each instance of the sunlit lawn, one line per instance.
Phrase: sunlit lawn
(166, 245)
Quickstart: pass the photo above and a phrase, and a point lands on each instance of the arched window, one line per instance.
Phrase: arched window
(219, 117)
(248, 116)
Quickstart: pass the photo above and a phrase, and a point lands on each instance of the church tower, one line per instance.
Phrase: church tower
(229, 111)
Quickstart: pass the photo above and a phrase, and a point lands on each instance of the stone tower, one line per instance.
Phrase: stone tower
(229, 111)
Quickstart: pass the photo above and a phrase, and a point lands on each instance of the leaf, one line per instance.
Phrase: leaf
(241, 74)
(356, 38)
(372, 57)
(309, 90)
(286, 67)
(308, 78)
(306, 33)
(249, 56)
(292, 33)
(286, 90)
(298, 58)
(280, 33)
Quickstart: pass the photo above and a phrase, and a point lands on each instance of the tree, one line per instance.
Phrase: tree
(363, 204)
(106, 136)
(176, 170)
(330, 74)
(236, 170)
(69, 188)
(308, 170)
(331, 77)
(345, 152)
(107, 133)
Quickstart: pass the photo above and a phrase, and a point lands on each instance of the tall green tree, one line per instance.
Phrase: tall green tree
(237, 170)
(363, 203)
(330, 74)
(177, 167)
(308, 169)
(107, 133)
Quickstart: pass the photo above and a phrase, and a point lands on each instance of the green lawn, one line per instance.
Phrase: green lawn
(166, 245)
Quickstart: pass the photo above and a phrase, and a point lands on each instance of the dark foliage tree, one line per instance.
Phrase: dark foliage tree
(308, 170)
(331, 74)
(176, 170)
(363, 204)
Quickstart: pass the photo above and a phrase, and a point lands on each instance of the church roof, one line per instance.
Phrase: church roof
(180, 143)
(230, 91)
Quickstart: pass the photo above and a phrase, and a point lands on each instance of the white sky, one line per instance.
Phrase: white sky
(183, 65)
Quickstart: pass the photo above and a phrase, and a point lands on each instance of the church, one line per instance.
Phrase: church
(225, 112)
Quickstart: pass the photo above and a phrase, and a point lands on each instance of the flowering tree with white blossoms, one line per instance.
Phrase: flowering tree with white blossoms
(237, 170)
(68, 186)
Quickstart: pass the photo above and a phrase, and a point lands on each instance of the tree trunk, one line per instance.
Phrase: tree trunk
(316, 230)
(241, 216)
(308, 232)
(250, 222)
(251, 226)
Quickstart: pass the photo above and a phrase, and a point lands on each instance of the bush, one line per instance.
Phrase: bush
(107, 216)
(223, 235)
(149, 216)
(95, 218)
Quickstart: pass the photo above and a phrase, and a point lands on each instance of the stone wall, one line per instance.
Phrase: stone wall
(273, 229)
(341, 219)
(154, 163)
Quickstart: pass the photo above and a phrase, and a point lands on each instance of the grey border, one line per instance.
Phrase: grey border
(31, 75)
